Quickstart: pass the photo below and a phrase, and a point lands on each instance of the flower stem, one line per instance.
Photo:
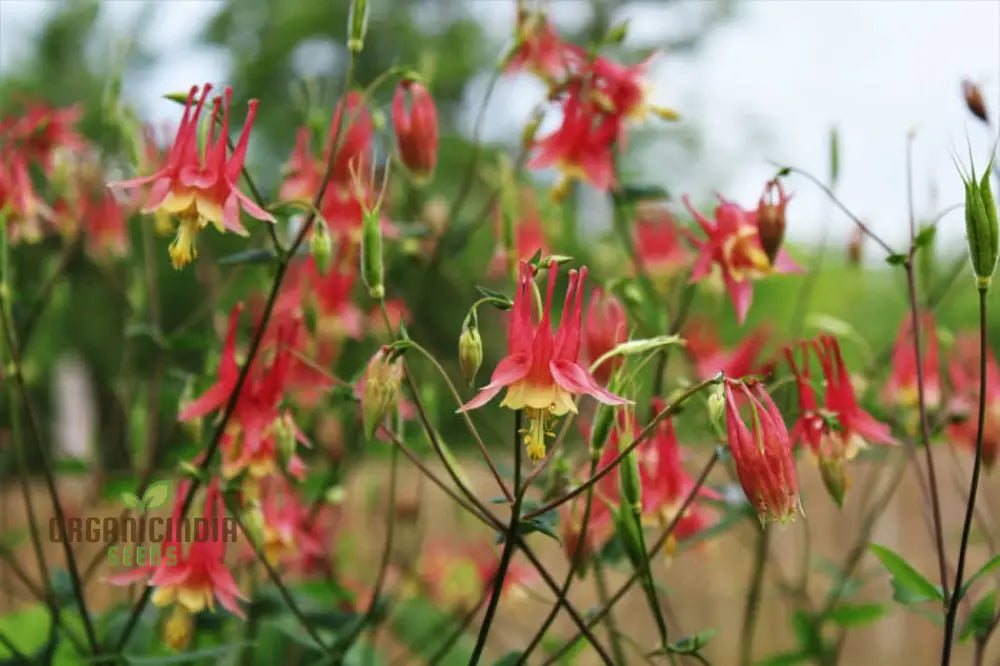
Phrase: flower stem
(950, 617)
(656, 547)
(639, 439)
(601, 583)
(509, 544)
(753, 595)
(576, 559)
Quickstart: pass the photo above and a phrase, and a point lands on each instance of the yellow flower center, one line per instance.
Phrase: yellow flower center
(536, 432)
(182, 250)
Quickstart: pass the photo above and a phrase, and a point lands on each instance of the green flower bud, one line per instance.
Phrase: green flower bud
(600, 429)
(284, 438)
(981, 226)
(631, 483)
(372, 270)
(470, 352)
(357, 25)
(380, 386)
(320, 246)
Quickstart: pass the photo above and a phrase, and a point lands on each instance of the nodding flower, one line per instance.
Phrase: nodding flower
(901, 389)
(734, 244)
(604, 327)
(416, 129)
(836, 431)
(762, 453)
(200, 187)
(541, 371)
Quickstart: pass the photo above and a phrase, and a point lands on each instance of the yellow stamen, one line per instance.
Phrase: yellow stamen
(182, 250)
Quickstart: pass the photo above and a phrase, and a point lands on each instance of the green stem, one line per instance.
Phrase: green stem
(508, 546)
(601, 583)
(646, 432)
(576, 560)
(657, 546)
(950, 617)
(753, 596)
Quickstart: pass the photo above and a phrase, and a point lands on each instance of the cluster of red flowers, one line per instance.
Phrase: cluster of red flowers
(595, 96)
(51, 182)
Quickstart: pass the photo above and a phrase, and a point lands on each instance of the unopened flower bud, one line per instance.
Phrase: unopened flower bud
(380, 386)
(771, 219)
(416, 129)
(284, 438)
(371, 257)
(470, 353)
(320, 246)
(600, 429)
(716, 408)
(834, 473)
(631, 482)
(981, 226)
(974, 100)
(357, 25)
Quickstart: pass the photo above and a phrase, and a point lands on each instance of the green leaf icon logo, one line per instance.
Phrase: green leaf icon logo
(130, 501)
(156, 495)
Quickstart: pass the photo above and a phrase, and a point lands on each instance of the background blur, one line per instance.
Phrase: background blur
(753, 81)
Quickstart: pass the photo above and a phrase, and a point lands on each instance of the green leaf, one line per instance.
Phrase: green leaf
(694, 643)
(156, 495)
(496, 299)
(71, 466)
(545, 523)
(909, 586)
(925, 237)
(896, 259)
(785, 659)
(980, 619)
(834, 155)
(130, 500)
(422, 627)
(990, 565)
(633, 347)
(258, 256)
(512, 658)
(640, 192)
(27, 629)
(854, 615)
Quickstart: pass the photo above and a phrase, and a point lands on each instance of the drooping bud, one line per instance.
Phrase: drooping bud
(320, 245)
(762, 454)
(771, 219)
(416, 129)
(380, 384)
(716, 409)
(981, 226)
(470, 352)
(974, 101)
(357, 25)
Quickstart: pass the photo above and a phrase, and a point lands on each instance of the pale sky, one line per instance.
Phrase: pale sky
(767, 85)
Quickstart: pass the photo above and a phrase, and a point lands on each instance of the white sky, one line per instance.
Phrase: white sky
(875, 68)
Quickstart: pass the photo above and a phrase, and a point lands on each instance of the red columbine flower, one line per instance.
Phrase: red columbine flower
(733, 243)
(657, 242)
(195, 580)
(838, 430)
(901, 388)
(291, 535)
(762, 454)
(540, 50)
(416, 129)
(582, 146)
(24, 208)
(710, 357)
(541, 372)
(963, 371)
(201, 188)
(604, 328)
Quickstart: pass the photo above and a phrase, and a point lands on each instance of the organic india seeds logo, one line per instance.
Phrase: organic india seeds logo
(138, 539)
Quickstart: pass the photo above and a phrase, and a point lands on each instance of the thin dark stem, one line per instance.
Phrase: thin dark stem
(656, 547)
(508, 547)
(646, 432)
(576, 559)
(753, 595)
(950, 617)
(383, 567)
(452, 638)
(47, 473)
(854, 218)
(925, 431)
(601, 583)
(274, 576)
